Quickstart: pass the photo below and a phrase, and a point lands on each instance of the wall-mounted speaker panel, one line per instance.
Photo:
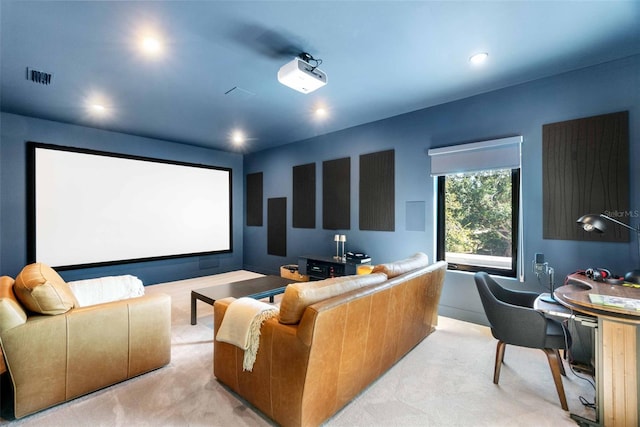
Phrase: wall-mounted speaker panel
(304, 196)
(254, 199)
(277, 226)
(416, 217)
(377, 191)
(336, 194)
(585, 169)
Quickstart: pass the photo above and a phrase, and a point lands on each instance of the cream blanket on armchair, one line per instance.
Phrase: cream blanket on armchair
(241, 326)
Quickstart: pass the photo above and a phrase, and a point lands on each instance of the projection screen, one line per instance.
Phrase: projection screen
(89, 208)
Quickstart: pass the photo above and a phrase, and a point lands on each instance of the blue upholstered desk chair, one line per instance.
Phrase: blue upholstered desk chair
(514, 321)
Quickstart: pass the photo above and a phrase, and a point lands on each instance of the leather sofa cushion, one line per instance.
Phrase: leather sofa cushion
(11, 312)
(297, 296)
(41, 290)
(397, 268)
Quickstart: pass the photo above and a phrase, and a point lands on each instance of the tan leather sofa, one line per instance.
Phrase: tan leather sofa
(72, 351)
(307, 370)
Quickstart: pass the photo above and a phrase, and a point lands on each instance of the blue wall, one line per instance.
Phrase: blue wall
(16, 130)
(518, 110)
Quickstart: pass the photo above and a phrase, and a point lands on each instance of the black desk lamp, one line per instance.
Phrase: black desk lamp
(594, 222)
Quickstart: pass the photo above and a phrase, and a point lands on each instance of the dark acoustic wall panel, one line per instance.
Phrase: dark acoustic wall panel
(586, 170)
(277, 226)
(304, 196)
(377, 191)
(254, 199)
(336, 194)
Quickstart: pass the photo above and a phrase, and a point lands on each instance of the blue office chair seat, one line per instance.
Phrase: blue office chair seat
(514, 321)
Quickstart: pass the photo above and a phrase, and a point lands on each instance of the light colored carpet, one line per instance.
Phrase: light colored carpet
(445, 381)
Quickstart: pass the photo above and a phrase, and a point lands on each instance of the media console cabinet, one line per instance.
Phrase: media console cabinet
(324, 267)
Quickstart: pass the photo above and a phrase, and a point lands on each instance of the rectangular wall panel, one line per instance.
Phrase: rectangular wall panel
(254, 199)
(416, 218)
(585, 170)
(336, 194)
(377, 191)
(277, 226)
(304, 196)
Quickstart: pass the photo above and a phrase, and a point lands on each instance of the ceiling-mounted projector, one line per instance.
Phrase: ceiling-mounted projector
(301, 76)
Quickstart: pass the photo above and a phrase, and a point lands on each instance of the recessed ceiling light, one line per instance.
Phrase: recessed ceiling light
(151, 46)
(321, 112)
(237, 137)
(478, 58)
(98, 107)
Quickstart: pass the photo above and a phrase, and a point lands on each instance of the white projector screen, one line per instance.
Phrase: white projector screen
(91, 208)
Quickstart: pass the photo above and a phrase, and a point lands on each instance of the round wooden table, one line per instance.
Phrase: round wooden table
(617, 309)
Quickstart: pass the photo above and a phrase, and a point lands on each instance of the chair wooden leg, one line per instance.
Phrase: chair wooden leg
(562, 371)
(499, 359)
(555, 364)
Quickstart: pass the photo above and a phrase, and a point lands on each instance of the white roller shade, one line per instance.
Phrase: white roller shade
(503, 153)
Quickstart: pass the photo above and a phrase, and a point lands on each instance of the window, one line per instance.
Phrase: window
(478, 205)
(478, 221)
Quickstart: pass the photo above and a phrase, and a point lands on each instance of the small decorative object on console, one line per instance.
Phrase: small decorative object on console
(358, 258)
(336, 239)
(343, 239)
(290, 271)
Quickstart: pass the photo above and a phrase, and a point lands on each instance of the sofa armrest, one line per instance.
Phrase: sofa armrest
(86, 349)
(276, 384)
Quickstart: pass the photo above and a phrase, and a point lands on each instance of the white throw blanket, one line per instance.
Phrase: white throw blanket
(241, 326)
(106, 289)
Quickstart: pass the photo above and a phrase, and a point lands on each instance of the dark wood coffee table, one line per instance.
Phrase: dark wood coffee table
(258, 288)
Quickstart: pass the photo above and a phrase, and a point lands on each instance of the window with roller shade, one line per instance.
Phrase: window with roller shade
(478, 205)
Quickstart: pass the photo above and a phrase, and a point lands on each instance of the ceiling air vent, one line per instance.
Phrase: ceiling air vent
(39, 76)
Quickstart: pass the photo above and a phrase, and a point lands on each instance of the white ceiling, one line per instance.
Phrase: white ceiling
(382, 58)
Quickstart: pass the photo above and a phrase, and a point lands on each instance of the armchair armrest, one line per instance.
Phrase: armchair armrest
(525, 298)
(519, 298)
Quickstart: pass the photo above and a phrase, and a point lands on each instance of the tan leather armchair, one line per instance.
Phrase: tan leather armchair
(55, 358)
